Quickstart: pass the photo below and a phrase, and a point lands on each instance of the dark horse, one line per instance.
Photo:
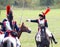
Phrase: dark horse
(23, 28)
(41, 38)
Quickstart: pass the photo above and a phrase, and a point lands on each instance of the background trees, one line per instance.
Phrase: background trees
(30, 3)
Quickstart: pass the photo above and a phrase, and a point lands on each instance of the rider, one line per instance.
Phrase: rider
(43, 22)
(9, 26)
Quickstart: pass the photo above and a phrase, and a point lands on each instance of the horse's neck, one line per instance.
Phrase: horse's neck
(19, 34)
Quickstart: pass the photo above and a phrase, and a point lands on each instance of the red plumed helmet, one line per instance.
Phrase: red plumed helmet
(47, 10)
(8, 9)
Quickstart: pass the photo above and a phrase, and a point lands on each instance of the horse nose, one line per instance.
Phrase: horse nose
(29, 31)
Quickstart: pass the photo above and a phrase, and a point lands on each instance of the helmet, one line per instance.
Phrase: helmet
(42, 16)
(44, 13)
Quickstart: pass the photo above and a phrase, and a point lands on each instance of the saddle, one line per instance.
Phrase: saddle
(11, 33)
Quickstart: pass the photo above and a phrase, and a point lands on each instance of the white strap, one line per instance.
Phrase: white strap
(8, 26)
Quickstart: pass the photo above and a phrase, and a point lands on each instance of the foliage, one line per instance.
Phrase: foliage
(46, 2)
(31, 3)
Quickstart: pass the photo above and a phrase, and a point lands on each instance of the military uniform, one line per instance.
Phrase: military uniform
(10, 27)
(7, 26)
(43, 23)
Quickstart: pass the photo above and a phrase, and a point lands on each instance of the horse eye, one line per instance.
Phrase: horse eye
(27, 27)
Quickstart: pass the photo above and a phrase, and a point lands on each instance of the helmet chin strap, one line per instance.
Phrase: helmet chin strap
(42, 18)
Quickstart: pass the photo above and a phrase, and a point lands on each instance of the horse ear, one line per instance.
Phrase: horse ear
(22, 23)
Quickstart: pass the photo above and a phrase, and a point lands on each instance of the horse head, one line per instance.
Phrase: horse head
(23, 28)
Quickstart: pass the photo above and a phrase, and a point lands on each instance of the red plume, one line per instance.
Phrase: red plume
(8, 9)
(47, 10)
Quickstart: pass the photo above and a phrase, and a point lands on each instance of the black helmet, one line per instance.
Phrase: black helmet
(42, 16)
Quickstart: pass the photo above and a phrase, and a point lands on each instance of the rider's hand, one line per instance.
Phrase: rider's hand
(28, 20)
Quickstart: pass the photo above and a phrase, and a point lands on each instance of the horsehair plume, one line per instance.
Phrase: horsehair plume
(8, 9)
(47, 10)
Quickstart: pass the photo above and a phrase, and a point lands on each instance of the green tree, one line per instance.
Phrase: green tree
(46, 2)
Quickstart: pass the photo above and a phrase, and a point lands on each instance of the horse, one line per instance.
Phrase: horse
(8, 42)
(23, 28)
(1, 37)
(42, 39)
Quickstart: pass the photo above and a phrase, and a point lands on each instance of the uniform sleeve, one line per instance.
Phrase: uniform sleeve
(46, 24)
(36, 21)
(3, 28)
(16, 27)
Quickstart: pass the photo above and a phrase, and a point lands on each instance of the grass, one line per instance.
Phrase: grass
(28, 40)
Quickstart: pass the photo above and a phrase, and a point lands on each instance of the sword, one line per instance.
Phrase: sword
(20, 19)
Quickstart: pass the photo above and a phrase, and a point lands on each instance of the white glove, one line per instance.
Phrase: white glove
(28, 20)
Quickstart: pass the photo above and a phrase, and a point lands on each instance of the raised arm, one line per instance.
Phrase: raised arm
(16, 27)
(29, 20)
